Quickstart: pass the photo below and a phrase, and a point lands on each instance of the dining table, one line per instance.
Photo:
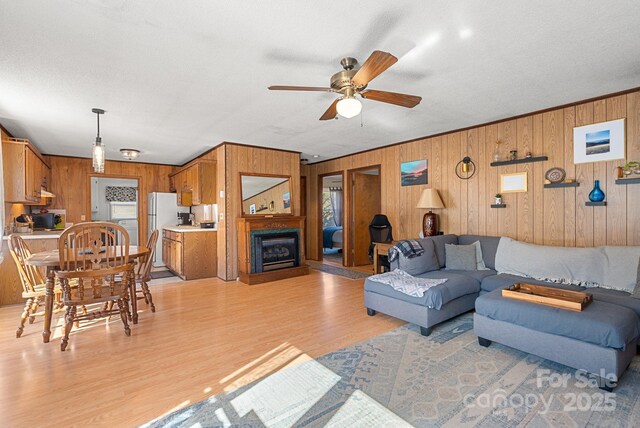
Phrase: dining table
(51, 261)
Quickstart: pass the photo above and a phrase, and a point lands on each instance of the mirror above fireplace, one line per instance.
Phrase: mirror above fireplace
(266, 194)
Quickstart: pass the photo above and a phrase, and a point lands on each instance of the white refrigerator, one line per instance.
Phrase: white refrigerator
(163, 211)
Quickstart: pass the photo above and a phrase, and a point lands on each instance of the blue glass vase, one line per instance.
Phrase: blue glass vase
(596, 195)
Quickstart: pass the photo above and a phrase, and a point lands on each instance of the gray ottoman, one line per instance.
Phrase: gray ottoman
(600, 340)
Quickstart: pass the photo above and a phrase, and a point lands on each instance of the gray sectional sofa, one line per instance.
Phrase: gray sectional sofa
(602, 339)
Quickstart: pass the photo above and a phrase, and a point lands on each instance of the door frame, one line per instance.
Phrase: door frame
(142, 239)
(349, 259)
(319, 212)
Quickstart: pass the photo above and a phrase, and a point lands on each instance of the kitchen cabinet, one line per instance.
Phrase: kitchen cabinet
(195, 184)
(10, 285)
(26, 173)
(192, 254)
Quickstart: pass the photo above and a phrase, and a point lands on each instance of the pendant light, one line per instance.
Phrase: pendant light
(98, 147)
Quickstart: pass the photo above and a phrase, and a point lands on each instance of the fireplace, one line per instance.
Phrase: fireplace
(270, 248)
(275, 251)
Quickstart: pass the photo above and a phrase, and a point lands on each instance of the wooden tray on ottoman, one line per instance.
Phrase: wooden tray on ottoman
(564, 299)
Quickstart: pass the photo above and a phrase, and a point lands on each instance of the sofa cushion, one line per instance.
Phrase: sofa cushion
(604, 267)
(456, 286)
(438, 242)
(460, 257)
(489, 246)
(494, 282)
(600, 323)
(505, 280)
(425, 262)
(478, 275)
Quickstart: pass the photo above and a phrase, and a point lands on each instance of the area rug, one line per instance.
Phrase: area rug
(403, 379)
(161, 274)
(337, 270)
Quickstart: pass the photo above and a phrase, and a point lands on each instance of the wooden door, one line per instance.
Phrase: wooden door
(179, 262)
(365, 204)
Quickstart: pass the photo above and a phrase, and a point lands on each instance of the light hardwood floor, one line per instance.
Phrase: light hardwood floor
(206, 337)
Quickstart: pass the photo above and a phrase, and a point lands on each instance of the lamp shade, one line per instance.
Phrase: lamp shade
(349, 107)
(430, 199)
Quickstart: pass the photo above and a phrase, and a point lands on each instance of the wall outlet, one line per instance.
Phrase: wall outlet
(83, 217)
(221, 215)
(222, 194)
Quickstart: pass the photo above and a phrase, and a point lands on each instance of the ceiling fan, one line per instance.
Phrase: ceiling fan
(353, 81)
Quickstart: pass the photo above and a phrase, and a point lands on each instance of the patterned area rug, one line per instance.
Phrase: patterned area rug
(402, 378)
(336, 270)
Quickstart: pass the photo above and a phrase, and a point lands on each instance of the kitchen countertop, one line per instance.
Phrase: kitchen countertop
(188, 229)
(39, 234)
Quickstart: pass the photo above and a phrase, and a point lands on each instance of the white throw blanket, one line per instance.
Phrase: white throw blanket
(401, 281)
(605, 267)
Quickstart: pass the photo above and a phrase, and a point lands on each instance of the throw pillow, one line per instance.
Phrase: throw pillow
(460, 257)
(425, 262)
(479, 259)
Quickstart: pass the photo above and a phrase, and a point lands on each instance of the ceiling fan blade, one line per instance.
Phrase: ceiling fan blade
(331, 112)
(299, 88)
(377, 62)
(402, 100)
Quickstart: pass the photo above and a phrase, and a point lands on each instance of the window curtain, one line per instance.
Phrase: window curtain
(336, 204)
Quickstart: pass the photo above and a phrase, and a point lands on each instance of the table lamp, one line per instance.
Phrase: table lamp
(429, 199)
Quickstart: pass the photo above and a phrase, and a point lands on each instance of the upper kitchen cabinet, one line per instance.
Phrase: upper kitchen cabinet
(26, 174)
(195, 184)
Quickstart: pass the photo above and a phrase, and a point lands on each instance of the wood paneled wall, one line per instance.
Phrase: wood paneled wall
(233, 159)
(543, 216)
(70, 184)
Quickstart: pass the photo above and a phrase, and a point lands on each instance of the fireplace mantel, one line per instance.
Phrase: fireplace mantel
(249, 227)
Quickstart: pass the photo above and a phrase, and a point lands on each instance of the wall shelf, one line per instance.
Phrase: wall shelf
(498, 205)
(555, 185)
(523, 160)
(596, 204)
(628, 181)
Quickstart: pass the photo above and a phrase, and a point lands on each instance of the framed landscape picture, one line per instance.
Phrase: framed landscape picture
(599, 142)
(413, 173)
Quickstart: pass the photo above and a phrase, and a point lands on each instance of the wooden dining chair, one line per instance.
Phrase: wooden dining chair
(33, 283)
(143, 274)
(96, 257)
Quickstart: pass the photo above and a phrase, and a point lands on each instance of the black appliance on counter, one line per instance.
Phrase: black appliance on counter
(184, 219)
(44, 221)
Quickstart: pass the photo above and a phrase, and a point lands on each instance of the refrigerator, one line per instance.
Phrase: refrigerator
(163, 211)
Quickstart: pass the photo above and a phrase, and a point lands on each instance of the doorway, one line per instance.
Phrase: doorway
(365, 202)
(331, 215)
(116, 200)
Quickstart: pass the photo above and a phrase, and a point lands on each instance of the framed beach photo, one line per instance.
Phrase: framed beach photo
(413, 173)
(513, 183)
(599, 142)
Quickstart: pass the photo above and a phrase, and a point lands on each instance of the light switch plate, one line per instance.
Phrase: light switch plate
(222, 194)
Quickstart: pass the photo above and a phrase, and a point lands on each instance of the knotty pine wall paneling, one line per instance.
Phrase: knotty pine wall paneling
(542, 216)
(633, 153)
(255, 160)
(69, 182)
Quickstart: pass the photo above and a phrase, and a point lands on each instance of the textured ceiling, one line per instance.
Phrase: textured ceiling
(179, 77)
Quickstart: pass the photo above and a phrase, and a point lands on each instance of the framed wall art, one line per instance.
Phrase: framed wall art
(413, 173)
(599, 142)
(513, 183)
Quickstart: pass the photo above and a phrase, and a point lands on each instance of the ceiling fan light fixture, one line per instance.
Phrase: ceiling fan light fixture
(130, 154)
(349, 107)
